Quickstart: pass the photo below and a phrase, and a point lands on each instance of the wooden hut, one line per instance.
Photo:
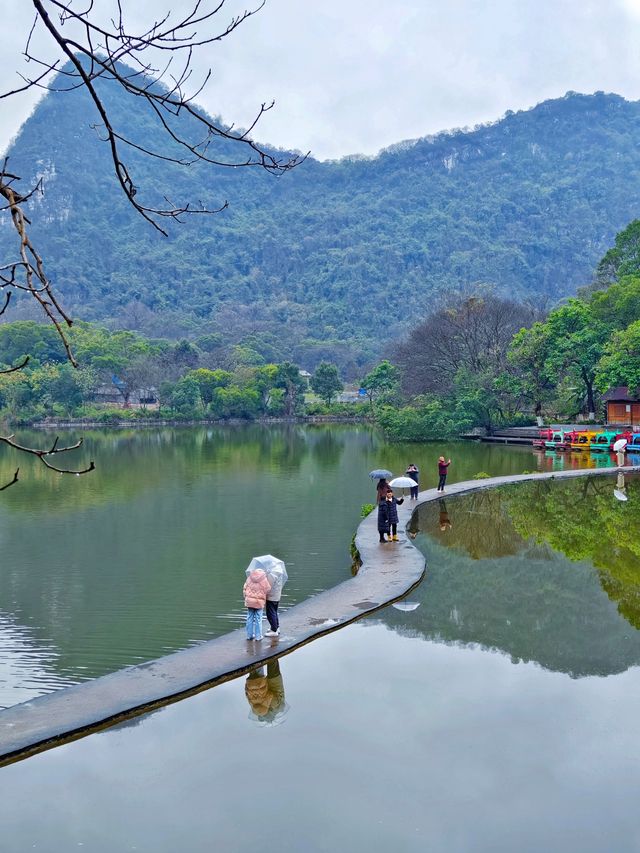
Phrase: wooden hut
(623, 408)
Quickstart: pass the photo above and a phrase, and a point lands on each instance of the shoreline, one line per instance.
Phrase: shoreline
(80, 423)
(386, 575)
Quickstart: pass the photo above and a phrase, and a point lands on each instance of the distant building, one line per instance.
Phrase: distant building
(623, 408)
(305, 376)
(139, 397)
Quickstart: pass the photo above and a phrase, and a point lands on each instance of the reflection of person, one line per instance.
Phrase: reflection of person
(444, 521)
(620, 488)
(273, 600)
(255, 592)
(381, 489)
(265, 694)
(388, 517)
(414, 474)
(443, 468)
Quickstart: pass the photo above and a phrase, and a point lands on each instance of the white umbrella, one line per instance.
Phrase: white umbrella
(406, 606)
(403, 483)
(619, 445)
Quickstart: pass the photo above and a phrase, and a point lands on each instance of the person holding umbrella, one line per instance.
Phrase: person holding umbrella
(388, 517)
(276, 573)
(382, 476)
(413, 473)
(277, 578)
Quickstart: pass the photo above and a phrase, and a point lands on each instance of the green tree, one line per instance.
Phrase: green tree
(623, 258)
(326, 381)
(208, 381)
(576, 343)
(532, 376)
(620, 363)
(382, 381)
(289, 379)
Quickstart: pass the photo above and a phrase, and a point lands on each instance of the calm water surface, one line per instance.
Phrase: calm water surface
(500, 714)
(146, 555)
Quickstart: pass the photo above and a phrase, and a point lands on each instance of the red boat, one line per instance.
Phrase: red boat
(544, 435)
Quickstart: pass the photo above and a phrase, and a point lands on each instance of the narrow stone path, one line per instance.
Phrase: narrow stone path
(388, 572)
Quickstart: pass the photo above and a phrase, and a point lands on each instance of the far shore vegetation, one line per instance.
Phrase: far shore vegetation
(476, 361)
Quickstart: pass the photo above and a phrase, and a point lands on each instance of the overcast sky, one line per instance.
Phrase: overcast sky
(353, 76)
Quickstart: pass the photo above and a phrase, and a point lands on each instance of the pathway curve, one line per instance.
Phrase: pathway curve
(388, 572)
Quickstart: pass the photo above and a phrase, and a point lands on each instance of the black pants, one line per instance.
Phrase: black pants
(414, 492)
(441, 482)
(272, 615)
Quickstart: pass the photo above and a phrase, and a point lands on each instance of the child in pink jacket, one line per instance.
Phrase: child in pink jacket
(255, 592)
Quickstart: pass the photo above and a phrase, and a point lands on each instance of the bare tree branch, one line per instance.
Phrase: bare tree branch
(96, 52)
(12, 482)
(42, 454)
(35, 282)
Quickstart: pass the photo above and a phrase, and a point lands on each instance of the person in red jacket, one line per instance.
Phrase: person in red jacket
(442, 471)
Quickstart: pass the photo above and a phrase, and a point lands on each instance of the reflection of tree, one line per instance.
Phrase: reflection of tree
(507, 584)
(584, 521)
(477, 525)
(327, 448)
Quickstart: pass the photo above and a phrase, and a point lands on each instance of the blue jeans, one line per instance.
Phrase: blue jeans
(254, 623)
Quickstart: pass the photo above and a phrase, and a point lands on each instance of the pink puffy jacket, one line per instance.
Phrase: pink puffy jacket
(255, 589)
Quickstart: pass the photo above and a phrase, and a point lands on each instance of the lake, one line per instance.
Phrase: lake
(146, 555)
(497, 714)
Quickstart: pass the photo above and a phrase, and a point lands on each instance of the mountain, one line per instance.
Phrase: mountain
(335, 259)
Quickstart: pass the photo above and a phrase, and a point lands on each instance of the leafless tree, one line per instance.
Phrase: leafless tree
(470, 332)
(153, 65)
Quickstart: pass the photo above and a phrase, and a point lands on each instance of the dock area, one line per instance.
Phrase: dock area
(522, 435)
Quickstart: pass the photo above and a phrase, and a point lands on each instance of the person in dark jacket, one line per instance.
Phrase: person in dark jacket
(443, 468)
(414, 474)
(381, 490)
(388, 517)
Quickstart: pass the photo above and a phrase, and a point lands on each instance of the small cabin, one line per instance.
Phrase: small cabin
(622, 407)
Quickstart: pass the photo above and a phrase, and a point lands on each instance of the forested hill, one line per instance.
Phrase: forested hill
(335, 258)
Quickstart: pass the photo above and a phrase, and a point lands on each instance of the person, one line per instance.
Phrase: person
(266, 694)
(444, 520)
(414, 474)
(388, 517)
(381, 490)
(442, 471)
(274, 595)
(255, 592)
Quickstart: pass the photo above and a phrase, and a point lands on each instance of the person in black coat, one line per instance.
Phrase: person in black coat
(388, 517)
(414, 473)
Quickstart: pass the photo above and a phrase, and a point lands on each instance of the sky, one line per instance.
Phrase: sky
(354, 76)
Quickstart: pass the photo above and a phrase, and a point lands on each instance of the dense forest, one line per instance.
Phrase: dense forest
(487, 360)
(335, 260)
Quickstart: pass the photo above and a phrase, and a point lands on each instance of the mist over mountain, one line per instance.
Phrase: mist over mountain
(334, 259)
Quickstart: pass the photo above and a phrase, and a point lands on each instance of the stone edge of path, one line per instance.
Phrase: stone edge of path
(387, 574)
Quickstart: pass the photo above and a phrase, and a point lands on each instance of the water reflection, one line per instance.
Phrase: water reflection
(620, 491)
(265, 694)
(444, 520)
(548, 572)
